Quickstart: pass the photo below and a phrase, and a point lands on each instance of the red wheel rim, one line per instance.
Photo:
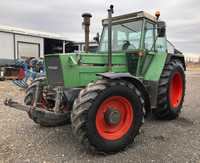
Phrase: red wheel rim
(114, 131)
(176, 90)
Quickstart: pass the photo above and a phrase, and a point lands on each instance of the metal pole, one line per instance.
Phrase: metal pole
(63, 46)
(110, 12)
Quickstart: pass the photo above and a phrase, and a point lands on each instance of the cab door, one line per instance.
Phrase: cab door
(148, 46)
(156, 53)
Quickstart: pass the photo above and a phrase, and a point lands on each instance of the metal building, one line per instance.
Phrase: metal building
(80, 46)
(22, 43)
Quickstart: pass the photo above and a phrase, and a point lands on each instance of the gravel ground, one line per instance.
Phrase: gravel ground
(160, 141)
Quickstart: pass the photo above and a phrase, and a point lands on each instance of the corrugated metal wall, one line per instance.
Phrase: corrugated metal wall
(6, 45)
(14, 46)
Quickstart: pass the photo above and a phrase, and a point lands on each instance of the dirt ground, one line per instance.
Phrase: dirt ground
(160, 141)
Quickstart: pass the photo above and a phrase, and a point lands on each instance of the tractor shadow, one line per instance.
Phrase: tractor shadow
(182, 121)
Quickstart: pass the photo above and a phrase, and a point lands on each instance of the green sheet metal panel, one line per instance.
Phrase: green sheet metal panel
(69, 70)
(156, 67)
(92, 58)
(76, 73)
(80, 70)
(88, 73)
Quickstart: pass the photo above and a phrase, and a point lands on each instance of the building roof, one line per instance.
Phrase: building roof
(31, 32)
(130, 16)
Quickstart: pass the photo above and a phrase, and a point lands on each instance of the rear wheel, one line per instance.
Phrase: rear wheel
(107, 115)
(171, 91)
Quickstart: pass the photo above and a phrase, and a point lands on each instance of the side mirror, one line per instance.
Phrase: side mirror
(161, 28)
(96, 38)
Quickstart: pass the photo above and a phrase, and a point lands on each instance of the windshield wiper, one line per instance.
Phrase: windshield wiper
(128, 28)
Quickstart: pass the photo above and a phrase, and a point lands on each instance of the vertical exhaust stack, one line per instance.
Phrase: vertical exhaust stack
(86, 25)
(110, 12)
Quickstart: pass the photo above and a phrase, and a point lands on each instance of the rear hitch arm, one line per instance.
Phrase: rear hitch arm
(16, 105)
(41, 116)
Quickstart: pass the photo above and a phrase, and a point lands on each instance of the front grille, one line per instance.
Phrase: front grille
(54, 71)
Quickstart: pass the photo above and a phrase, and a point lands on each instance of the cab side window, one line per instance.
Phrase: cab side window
(161, 44)
(149, 36)
(170, 47)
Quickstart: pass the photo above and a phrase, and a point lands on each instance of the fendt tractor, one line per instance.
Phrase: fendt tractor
(106, 95)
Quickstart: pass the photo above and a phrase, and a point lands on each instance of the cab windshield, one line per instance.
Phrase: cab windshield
(125, 36)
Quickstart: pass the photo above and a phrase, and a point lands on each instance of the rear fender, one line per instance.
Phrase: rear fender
(179, 57)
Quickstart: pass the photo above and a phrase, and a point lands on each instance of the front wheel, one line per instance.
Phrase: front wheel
(44, 114)
(107, 115)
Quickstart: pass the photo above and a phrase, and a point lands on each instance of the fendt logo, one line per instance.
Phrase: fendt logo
(53, 67)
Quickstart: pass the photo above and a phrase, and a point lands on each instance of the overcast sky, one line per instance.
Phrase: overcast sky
(64, 17)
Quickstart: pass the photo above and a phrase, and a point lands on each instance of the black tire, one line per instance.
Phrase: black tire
(166, 110)
(44, 117)
(83, 116)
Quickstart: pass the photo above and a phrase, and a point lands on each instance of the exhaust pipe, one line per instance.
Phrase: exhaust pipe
(110, 12)
(86, 25)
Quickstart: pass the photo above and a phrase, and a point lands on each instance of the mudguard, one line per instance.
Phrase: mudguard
(134, 80)
(178, 56)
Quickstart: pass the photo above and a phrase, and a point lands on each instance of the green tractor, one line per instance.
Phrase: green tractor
(106, 95)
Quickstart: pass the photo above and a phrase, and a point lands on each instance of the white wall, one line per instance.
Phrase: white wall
(6, 46)
(28, 50)
(30, 39)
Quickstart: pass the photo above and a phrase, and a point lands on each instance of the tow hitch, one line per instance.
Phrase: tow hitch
(16, 105)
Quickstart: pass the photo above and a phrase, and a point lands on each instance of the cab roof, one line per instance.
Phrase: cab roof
(130, 16)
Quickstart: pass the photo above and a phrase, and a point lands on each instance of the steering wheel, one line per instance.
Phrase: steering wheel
(126, 45)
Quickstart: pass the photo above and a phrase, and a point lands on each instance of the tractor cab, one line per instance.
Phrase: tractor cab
(137, 35)
(131, 32)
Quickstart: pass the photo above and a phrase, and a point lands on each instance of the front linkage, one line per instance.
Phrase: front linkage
(44, 105)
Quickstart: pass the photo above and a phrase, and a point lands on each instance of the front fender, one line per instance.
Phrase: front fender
(134, 80)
